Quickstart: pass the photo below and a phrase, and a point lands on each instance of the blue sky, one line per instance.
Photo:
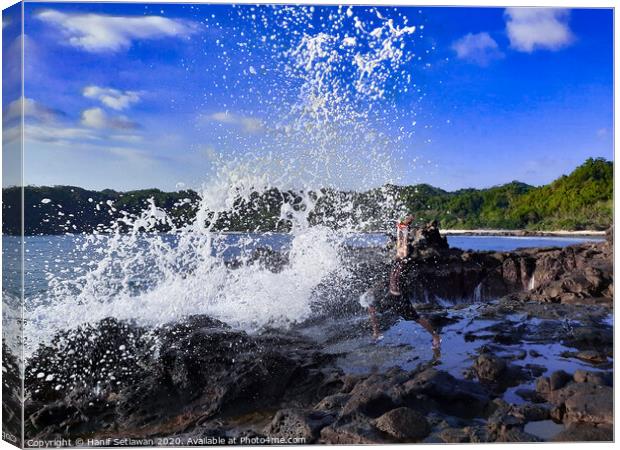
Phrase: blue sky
(136, 96)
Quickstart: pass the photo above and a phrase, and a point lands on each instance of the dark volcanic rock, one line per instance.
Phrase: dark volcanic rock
(498, 374)
(599, 378)
(371, 402)
(11, 397)
(125, 378)
(333, 402)
(359, 431)
(585, 432)
(106, 355)
(558, 379)
(577, 274)
(404, 424)
(592, 405)
(597, 338)
(579, 402)
(489, 367)
(295, 423)
(457, 397)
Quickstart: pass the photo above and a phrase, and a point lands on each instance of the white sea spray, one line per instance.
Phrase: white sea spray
(334, 124)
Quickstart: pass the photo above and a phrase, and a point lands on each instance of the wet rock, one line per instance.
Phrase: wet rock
(585, 432)
(530, 413)
(88, 356)
(371, 403)
(11, 396)
(359, 431)
(450, 395)
(120, 376)
(529, 395)
(517, 435)
(591, 356)
(403, 424)
(558, 379)
(590, 405)
(451, 436)
(369, 397)
(557, 413)
(49, 415)
(489, 367)
(543, 385)
(333, 402)
(295, 423)
(595, 337)
(535, 370)
(497, 373)
(598, 378)
(579, 402)
(578, 274)
(428, 236)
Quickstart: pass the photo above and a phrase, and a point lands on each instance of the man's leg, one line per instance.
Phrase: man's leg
(395, 276)
(405, 309)
(428, 327)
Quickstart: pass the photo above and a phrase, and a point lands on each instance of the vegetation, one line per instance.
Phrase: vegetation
(581, 200)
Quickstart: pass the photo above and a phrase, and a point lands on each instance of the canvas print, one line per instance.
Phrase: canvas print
(249, 224)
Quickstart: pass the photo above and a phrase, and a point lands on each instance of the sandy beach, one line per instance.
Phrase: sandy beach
(487, 232)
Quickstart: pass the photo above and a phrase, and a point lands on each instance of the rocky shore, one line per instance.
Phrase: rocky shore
(527, 357)
(577, 274)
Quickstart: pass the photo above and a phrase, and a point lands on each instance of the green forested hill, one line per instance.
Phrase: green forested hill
(583, 199)
(580, 200)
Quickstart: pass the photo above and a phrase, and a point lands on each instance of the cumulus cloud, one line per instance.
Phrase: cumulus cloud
(99, 33)
(479, 48)
(532, 29)
(248, 124)
(112, 98)
(98, 118)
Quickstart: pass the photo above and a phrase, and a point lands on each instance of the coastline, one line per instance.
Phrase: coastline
(524, 233)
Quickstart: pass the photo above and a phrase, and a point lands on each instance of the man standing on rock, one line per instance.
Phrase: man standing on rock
(396, 302)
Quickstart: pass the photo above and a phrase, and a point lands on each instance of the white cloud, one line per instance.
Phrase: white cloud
(56, 134)
(97, 118)
(248, 124)
(531, 29)
(479, 48)
(104, 33)
(11, 134)
(112, 98)
(32, 109)
(94, 118)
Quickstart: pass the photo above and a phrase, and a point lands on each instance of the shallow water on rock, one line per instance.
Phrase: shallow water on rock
(406, 344)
